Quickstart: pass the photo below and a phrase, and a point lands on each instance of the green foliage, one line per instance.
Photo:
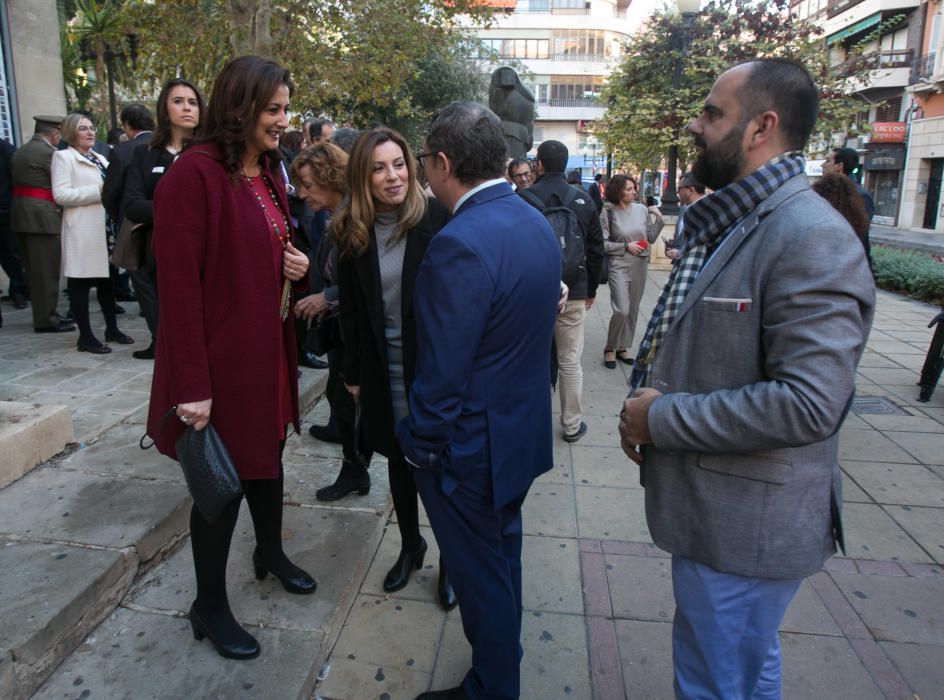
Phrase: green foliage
(645, 115)
(910, 272)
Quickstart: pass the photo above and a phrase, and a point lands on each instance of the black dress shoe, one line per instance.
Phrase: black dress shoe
(67, 317)
(353, 477)
(231, 640)
(448, 694)
(125, 296)
(323, 433)
(146, 354)
(399, 575)
(447, 596)
(61, 328)
(118, 337)
(293, 579)
(307, 359)
(626, 359)
(119, 309)
(609, 364)
(99, 349)
(577, 434)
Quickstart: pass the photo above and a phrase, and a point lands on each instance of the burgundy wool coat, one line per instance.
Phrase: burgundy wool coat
(218, 335)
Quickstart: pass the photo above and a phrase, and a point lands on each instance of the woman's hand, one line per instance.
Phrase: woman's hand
(354, 391)
(634, 248)
(311, 306)
(196, 414)
(294, 263)
(654, 210)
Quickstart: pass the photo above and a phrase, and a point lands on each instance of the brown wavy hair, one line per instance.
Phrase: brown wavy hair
(162, 134)
(839, 191)
(240, 93)
(327, 163)
(615, 186)
(356, 214)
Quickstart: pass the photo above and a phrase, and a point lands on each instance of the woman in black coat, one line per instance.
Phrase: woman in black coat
(382, 230)
(179, 107)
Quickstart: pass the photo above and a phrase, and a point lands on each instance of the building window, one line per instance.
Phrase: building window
(575, 90)
(889, 111)
(583, 44)
(514, 48)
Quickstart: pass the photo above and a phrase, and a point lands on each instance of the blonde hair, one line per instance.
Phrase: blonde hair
(70, 127)
(356, 214)
(327, 163)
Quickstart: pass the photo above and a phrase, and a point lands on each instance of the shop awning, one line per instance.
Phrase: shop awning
(853, 29)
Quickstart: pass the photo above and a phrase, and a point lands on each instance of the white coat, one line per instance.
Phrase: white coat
(77, 188)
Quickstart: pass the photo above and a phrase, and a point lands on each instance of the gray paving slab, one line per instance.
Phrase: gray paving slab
(604, 466)
(563, 471)
(118, 453)
(901, 484)
(356, 680)
(550, 570)
(602, 431)
(645, 652)
(897, 609)
(922, 666)
(815, 667)
(612, 514)
(640, 587)
(927, 448)
(870, 446)
(550, 510)
(851, 492)
(890, 377)
(555, 658)
(333, 547)
(135, 654)
(808, 615)
(52, 504)
(453, 657)
(872, 534)
(916, 423)
(925, 525)
(51, 596)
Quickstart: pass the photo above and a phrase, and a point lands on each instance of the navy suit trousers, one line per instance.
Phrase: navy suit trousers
(481, 550)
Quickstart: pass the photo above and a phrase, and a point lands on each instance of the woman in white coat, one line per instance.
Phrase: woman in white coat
(77, 176)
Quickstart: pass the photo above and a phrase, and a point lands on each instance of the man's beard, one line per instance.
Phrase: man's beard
(720, 164)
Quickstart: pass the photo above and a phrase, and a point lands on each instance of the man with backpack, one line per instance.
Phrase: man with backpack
(574, 219)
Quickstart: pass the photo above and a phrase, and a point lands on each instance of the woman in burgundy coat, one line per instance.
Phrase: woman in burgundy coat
(226, 343)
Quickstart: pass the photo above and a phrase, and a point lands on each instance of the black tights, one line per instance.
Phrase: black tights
(403, 490)
(79, 297)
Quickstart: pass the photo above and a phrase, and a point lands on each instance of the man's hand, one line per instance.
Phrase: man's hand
(672, 253)
(588, 303)
(634, 422)
(311, 306)
(562, 302)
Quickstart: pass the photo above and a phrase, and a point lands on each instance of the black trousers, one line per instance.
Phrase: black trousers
(145, 286)
(10, 261)
(79, 297)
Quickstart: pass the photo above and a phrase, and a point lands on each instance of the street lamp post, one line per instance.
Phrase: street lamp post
(680, 39)
(88, 53)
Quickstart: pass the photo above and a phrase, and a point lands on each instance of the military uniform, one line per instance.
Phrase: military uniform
(37, 220)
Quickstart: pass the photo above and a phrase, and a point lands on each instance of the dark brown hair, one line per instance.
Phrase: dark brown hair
(614, 188)
(162, 134)
(240, 93)
(839, 191)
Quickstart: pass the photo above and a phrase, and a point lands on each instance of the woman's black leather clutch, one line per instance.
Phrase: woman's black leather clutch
(209, 471)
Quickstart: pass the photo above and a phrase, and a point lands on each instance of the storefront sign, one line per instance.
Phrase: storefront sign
(888, 132)
(885, 160)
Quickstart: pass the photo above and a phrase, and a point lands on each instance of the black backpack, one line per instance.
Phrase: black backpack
(566, 228)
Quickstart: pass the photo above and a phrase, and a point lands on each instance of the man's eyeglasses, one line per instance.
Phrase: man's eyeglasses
(421, 156)
(521, 176)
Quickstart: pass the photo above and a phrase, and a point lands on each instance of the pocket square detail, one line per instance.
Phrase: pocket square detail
(729, 304)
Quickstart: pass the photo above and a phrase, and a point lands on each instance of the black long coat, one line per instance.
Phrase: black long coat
(362, 326)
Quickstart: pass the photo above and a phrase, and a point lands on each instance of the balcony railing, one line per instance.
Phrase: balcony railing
(922, 68)
(837, 7)
(903, 58)
(574, 102)
(545, 9)
(580, 57)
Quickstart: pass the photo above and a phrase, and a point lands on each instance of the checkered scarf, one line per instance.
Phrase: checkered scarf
(707, 222)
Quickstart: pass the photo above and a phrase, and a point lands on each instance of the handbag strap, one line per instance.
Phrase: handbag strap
(163, 425)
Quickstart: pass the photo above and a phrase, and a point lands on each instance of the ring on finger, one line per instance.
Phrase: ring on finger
(185, 419)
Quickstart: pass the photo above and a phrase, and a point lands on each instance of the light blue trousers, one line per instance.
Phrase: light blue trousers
(725, 644)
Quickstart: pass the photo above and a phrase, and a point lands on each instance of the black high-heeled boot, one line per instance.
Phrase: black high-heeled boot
(353, 477)
(399, 575)
(264, 497)
(210, 614)
(447, 596)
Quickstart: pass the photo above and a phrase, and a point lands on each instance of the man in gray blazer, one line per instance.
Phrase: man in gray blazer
(743, 379)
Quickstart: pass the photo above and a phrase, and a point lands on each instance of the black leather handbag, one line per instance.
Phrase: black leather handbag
(322, 335)
(209, 471)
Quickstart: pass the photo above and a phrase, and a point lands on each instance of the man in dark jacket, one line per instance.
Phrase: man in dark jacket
(551, 188)
(10, 259)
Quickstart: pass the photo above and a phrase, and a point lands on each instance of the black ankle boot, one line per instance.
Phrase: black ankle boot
(399, 575)
(447, 597)
(231, 640)
(294, 579)
(353, 477)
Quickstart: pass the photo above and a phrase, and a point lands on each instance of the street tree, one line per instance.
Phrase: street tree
(645, 114)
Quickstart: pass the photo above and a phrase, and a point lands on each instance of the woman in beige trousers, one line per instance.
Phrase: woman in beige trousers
(628, 229)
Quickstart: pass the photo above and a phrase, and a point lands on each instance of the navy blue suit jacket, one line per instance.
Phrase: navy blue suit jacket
(485, 301)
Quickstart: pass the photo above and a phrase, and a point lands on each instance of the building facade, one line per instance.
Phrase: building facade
(876, 43)
(567, 48)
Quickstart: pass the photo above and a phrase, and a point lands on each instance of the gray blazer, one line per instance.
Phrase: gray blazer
(758, 369)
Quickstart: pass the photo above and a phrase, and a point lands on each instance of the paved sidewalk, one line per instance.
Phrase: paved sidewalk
(597, 593)
(928, 241)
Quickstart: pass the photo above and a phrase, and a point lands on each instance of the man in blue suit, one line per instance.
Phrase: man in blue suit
(479, 429)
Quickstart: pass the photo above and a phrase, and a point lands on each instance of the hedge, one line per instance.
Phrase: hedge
(909, 272)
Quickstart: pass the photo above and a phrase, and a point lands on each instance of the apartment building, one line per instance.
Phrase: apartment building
(922, 205)
(888, 35)
(567, 48)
